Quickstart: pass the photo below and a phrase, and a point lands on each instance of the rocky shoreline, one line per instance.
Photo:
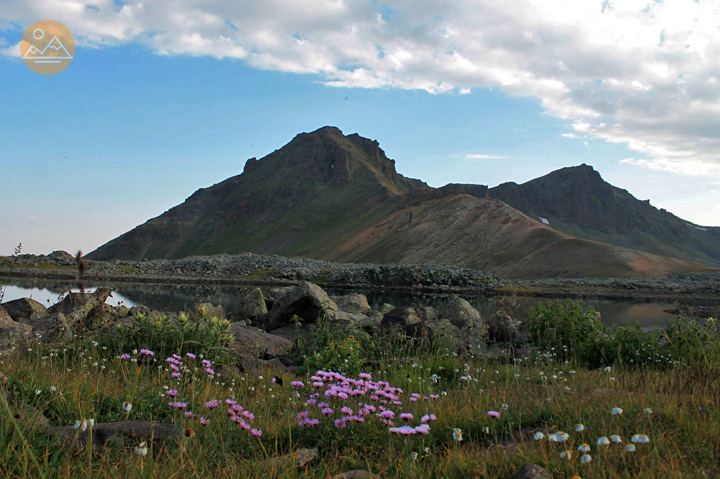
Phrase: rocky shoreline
(271, 270)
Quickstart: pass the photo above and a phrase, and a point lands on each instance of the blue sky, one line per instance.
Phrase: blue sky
(132, 128)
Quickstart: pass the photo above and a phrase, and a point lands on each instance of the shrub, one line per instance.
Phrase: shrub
(168, 333)
(577, 334)
(568, 330)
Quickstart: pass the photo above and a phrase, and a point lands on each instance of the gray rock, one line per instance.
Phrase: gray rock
(12, 333)
(252, 308)
(350, 318)
(352, 303)
(253, 343)
(406, 318)
(532, 471)
(300, 458)
(428, 314)
(25, 310)
(306, 300)
(75, 313)
(386, 308)
(444, 334)
(459, 312)
(501, 327)
(79, 302)
(356, 474)
(292, 331)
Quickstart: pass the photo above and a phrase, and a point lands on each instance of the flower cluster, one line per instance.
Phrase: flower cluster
(348, 400)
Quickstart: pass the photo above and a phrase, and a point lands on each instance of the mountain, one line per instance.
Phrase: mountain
(326, 195)
(578, 202)
(54, 49)
(297, 201)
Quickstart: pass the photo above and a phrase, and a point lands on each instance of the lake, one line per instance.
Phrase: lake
(180, 297)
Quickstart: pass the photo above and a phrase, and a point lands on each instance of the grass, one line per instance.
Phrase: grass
(8, 263)
(261, 274)
(83, 380)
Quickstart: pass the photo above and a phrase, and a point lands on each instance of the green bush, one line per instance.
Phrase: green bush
(569, 331)
(574, 333)
(170, 333)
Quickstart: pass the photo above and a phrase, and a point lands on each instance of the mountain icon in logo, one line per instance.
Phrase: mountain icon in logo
(47, 47)
(53, 52)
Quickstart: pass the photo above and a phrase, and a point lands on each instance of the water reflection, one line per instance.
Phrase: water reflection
(180, 297)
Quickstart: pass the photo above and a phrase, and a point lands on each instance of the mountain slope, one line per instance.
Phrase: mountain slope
(577, 201)
(295, 201)
(325, 195)
(444, 228)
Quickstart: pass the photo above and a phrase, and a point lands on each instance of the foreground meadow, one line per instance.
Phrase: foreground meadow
(408, 412)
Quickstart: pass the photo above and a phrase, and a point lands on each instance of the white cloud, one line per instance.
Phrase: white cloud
(569, 135)
(12, 51)
(636, 72)
(690, 168)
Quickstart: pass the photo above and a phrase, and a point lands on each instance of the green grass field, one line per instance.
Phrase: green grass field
(83, 380)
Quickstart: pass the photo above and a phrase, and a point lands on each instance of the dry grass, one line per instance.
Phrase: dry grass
(684, 427)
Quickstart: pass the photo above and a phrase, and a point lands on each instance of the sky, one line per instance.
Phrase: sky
(165, 97)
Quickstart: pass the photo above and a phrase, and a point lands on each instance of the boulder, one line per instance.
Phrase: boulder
(75, 313)
(12, 332)
(80, 302)
(370, 321)
(292, 331)
(427, 314)
(532, 471)
(444, 334)
(104, 434)
(349, 319)
(501, 327)
(25, 310)
(352, 303)
(253, 343)
(306, 301)
(252, 308)
(459, 312)
(406, 318)
(386, 308)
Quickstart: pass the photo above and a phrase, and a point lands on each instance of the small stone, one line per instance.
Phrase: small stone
(532, 471)
(356, 474)
(301, 458)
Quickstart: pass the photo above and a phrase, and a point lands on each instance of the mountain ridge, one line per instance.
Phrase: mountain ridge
(325, 195)
(577, 201)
